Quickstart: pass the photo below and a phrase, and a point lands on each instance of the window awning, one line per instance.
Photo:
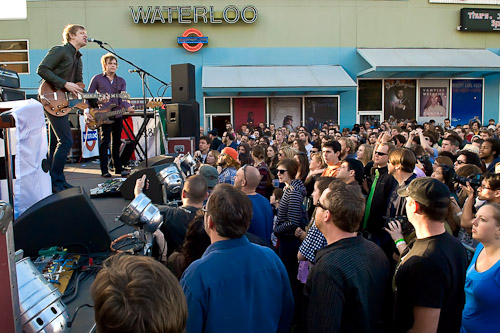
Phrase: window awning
(410, 63)
(275, 80)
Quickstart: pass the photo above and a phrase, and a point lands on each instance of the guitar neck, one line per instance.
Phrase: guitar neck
(93, 96)
(115, 113)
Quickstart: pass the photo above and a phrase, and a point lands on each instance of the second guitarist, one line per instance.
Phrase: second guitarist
(110, 83)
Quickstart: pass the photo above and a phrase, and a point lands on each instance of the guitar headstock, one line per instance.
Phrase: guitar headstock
(154, 104)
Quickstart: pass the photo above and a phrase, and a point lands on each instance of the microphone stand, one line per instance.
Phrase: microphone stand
(142, 73)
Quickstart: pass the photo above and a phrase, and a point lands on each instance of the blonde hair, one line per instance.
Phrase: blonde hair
(106, 58)
(319, 158)
(71, 29)
(367, 154)
(288, 151)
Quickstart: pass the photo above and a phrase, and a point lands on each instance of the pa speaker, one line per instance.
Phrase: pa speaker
(67, 219)
(183, 120)
(157, 160)
(183, 82)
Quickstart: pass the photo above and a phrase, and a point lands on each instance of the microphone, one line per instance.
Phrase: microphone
(134, 71)
(92, 40)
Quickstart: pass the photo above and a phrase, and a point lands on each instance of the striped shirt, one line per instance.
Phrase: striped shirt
(291, 211)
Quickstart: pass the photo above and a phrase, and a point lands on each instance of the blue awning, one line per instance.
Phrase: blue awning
(408, 63)
(275, 80)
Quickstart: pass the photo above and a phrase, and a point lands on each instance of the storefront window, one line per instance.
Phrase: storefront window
(14, 55)
(217, 105)
(320, 110)
(370, 95)
(286, 111)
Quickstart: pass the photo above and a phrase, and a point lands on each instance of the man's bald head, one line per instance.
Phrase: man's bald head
(247, 178)
(252, 177)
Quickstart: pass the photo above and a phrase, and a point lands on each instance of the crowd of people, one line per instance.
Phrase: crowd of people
(379, 228)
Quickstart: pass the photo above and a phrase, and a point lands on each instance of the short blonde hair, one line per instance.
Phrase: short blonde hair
(71, 29)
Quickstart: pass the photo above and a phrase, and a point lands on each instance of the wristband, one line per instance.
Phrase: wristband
(399, 240)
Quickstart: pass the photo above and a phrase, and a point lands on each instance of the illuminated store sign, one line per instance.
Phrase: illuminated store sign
(192, 40)
(193, 14)
(479, 19)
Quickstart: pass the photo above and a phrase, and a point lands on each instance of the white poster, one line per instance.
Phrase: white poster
(89, 142)
(286, 112)
(434, 100)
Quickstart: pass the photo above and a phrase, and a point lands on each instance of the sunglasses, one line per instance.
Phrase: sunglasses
(379, 153)
(281, 171)
(460, 162)
(320, 205)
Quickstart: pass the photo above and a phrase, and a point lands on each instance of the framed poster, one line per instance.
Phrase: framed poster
(320, 110)
(251, 111)
(466, 101)
(285, 111)
(399, 99)
(434, 103)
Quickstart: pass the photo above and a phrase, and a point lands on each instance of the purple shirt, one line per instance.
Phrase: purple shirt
(103, 85)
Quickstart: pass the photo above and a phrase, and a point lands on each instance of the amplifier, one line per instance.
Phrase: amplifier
(9, 79)
(182, 145)
(8, 94)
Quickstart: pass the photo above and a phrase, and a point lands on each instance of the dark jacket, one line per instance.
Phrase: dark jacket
(57, 66)
(383, 190)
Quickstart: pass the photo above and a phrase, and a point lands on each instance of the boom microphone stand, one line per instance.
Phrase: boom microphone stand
(142, 73)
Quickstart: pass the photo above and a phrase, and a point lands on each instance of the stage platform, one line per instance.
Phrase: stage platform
(88, 175)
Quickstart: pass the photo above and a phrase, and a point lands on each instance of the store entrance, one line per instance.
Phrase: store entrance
(220, 122)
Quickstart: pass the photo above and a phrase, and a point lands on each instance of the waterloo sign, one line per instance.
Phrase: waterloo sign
(193, 14)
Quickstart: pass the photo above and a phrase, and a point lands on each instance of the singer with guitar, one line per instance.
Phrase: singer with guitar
(110, 83)
(62, 68)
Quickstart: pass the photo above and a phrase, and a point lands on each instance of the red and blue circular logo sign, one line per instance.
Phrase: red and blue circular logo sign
(192, 40)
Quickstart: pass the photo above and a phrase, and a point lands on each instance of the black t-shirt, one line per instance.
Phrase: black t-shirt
(175, 224)
(432, 275)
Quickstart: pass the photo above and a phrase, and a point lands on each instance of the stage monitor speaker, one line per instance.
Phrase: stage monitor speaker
(183, 120)
(154, 191)
(8, 94)
(157, 160)
(68, 219)
(183, 82)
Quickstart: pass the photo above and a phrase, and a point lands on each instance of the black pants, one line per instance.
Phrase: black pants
(60, 143)
(110, 133)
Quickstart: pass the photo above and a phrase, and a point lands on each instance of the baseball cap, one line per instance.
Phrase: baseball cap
(472, 148)
(210, 174)
(427, 191)
(214, 132)
(231, 152)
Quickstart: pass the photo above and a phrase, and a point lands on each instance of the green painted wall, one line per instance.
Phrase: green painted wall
(281, 23)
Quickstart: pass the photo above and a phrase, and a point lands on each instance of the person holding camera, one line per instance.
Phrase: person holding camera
(488, 192)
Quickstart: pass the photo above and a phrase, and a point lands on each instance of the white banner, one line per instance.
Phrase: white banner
(153, 134)
(30, 145)
(89, 142)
